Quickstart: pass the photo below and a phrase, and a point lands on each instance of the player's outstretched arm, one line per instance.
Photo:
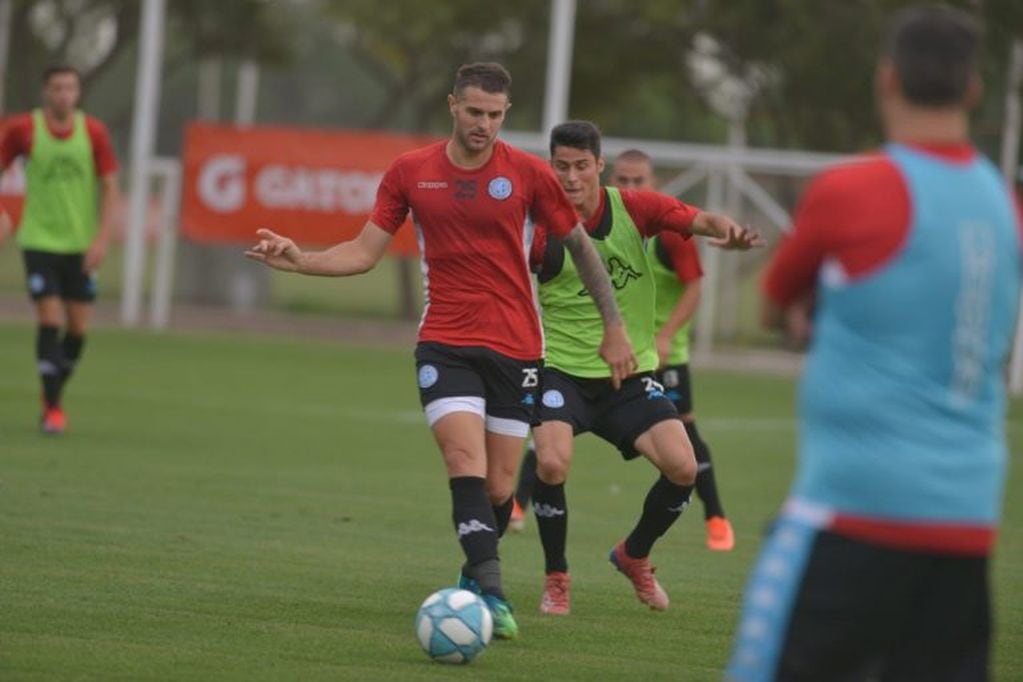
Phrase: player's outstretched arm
(615, 349)
(347, 258)
(725, 233)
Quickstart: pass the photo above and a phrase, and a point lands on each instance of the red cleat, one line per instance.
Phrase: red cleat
(518, 517)
(54, 421)
(555, 594)
(641, 574)
(720, 537)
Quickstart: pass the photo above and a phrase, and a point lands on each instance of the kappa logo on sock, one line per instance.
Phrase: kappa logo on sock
(679, 509)
(546, 511)
(47, 367)
(473, 526)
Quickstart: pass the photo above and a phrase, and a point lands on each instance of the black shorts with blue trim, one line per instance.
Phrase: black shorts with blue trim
(594, 406)
(677, 386)
(58, 274)
(510, 387)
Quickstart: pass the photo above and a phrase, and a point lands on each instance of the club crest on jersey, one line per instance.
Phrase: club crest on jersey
(428, 376)
(500, 188)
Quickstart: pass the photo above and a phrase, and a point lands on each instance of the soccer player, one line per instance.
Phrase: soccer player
(675, 266)
(474, 200)
(578, 395)
(877, 568)
(63, 235)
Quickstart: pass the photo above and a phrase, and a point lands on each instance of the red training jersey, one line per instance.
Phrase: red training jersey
(18, 142)
(682, 256)
(474, 229)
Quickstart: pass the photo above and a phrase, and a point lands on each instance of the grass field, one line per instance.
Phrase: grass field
(229, 509)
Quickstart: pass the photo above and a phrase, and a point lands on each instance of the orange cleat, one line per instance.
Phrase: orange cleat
(518, 517)
(555, 594)
(720, 537)
(54, 421)
(641, 574)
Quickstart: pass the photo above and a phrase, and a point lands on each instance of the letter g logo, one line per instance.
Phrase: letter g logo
(222, 183)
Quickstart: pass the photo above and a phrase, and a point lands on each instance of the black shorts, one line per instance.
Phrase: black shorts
(675, 379)
(592, 405)
(508, 389)
(821, 606)
(58, 274)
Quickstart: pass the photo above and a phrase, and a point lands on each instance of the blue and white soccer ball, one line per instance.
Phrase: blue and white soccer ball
(454, 626)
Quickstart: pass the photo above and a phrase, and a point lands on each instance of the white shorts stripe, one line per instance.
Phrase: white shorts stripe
(442, 407)
(507, 427)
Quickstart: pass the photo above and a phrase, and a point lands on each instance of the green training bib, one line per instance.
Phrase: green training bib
(60, 197)
(572, 324)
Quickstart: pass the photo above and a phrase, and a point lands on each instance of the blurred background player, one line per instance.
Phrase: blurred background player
(878, 565)
(63, 235)
(578, 396)
(675, 266)
(478, 355)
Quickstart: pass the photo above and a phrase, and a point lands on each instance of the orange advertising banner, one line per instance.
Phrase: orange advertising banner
(317, 187)
(12, 183)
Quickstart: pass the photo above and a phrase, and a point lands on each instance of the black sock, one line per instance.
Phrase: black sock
(527, 477)
(552, 521)
(48, 362)
(664, 504)
(706, 486)
(477, 532)
(502, 514)
(71, 350)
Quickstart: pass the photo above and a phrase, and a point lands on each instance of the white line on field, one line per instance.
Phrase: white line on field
(381, 415)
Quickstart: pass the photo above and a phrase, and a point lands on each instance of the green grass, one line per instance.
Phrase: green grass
(235, 509)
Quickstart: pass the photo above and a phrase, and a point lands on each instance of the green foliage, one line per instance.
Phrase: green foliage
(413, 49)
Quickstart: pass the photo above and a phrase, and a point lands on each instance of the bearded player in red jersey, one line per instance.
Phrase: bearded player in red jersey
(474, 201)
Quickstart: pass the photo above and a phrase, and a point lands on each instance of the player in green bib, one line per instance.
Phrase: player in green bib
(579, 394)
(675, 265)
(64, 228)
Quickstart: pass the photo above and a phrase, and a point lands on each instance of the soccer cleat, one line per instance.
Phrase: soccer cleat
(54, 422)
(505, 626)
(720, 537)
(467, 583)
(518, 517)
(641, 574)
(555, 594)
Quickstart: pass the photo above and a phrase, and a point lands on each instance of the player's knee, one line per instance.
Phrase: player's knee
(680, 468)
(463, 461)
(499, 491)
(552, 465)
(77, 327)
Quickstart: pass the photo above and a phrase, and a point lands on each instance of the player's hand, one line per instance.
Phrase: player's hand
(663, 350)
(799, 322)
(94, 256)
(276, 251)
(730, 235)
(616, 350)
